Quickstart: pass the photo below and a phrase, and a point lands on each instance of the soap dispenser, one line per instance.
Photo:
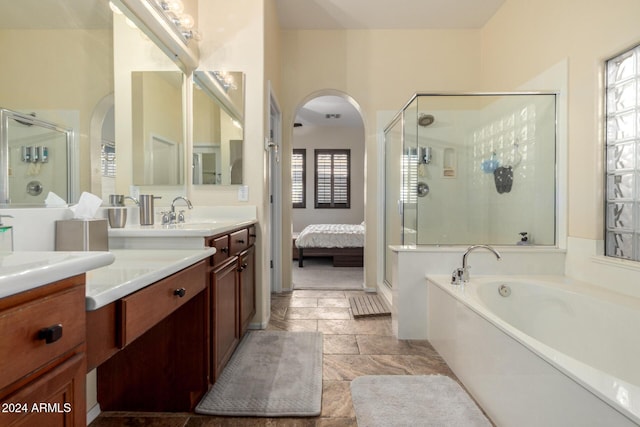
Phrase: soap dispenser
(6, 235)
(524, 239)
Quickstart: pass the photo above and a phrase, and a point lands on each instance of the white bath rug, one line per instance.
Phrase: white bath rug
(413, 400)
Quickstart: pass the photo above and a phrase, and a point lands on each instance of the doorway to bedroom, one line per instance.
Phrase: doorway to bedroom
(327, 191)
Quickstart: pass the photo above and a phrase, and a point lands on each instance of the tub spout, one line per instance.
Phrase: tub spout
(461, 275)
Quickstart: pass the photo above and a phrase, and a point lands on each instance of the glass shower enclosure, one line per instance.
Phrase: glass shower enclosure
(463, 169)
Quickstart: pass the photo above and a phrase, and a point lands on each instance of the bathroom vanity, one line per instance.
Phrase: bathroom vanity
(161, 347)
(156, 326)
(43, 346)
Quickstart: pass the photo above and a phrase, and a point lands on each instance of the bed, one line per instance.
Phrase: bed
(343, 242)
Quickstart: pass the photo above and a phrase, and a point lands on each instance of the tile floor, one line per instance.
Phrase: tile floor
(351, 348)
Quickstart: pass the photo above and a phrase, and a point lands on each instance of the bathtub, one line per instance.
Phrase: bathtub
(554, 352)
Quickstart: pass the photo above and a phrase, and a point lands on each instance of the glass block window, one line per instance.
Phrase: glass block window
(623, 156)
(298, 181)
(332, 179)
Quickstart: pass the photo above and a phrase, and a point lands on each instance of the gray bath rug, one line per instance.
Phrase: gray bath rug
(413, 400)
(271, 374)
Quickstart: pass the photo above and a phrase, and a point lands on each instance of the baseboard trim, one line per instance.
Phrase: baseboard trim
(93, 413)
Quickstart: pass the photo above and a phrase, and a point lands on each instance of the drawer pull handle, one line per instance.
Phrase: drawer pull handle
(224, 250)
(50, 334)
(241, 241)
(180, 292)
(253, 235)
(242, 267)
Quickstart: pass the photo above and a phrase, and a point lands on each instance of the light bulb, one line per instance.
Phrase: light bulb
(175, 6)
(186, 21)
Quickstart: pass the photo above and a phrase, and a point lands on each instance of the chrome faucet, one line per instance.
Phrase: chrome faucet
(133, 199)
(461, 275)
(172, 214)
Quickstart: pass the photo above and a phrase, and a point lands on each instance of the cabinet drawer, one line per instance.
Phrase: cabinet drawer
(239, 241)
(22, 350)
(222, 249)
(144, 309)
(62, 390)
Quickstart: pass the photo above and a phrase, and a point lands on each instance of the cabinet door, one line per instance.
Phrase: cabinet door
(57, 398)
(246, 269)
(221, 244)
(225, 327)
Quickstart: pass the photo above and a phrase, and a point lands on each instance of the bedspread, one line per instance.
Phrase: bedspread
(331, 236)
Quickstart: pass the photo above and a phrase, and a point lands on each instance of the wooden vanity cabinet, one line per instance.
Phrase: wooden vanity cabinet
(157, 357)
(225, 327)
(232, 294)
(247, 279)
(42, 356)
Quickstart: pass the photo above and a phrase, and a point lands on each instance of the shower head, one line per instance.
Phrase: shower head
(425, 120)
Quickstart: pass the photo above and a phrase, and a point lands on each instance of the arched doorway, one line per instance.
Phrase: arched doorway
(327, 184)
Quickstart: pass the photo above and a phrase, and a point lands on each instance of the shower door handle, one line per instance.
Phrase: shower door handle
(400, 207)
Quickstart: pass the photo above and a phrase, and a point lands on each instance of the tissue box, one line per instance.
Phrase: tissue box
(82, 235)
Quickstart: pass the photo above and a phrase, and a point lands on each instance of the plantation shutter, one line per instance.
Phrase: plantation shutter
(298, 172)
(332, 179)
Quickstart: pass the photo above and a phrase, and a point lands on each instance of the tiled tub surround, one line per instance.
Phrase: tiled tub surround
(553, 352)
(410, 265)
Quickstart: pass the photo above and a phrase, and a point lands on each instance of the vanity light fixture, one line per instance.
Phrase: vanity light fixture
(164, 23)
(226, 80)
(174, 11)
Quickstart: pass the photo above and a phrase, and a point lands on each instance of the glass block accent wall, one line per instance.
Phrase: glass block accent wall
(622, 139)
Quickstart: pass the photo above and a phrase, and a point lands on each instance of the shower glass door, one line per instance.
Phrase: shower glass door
(463, 169)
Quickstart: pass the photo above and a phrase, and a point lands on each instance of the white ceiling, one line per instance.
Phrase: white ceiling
(314, 112)
(385, 14)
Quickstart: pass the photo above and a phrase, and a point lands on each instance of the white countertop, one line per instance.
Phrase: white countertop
(134, 269)
(22, 271)
(189, 229)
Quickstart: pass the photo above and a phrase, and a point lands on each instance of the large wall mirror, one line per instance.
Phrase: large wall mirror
(149, 119)
(57, 64)
(158, 146)
(218, 134)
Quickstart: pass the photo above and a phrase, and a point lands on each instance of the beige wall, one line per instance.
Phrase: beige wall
(58, 70)
(328, 137)
(233, 35)
(526, 38)
(380, 70)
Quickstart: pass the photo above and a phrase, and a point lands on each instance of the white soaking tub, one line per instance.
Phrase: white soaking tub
(554, 352)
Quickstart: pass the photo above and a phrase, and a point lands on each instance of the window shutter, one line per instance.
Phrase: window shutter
(298, 172)
(332, 183)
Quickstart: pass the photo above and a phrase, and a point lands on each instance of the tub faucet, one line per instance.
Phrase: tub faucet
(172, 217)
(461, 275)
